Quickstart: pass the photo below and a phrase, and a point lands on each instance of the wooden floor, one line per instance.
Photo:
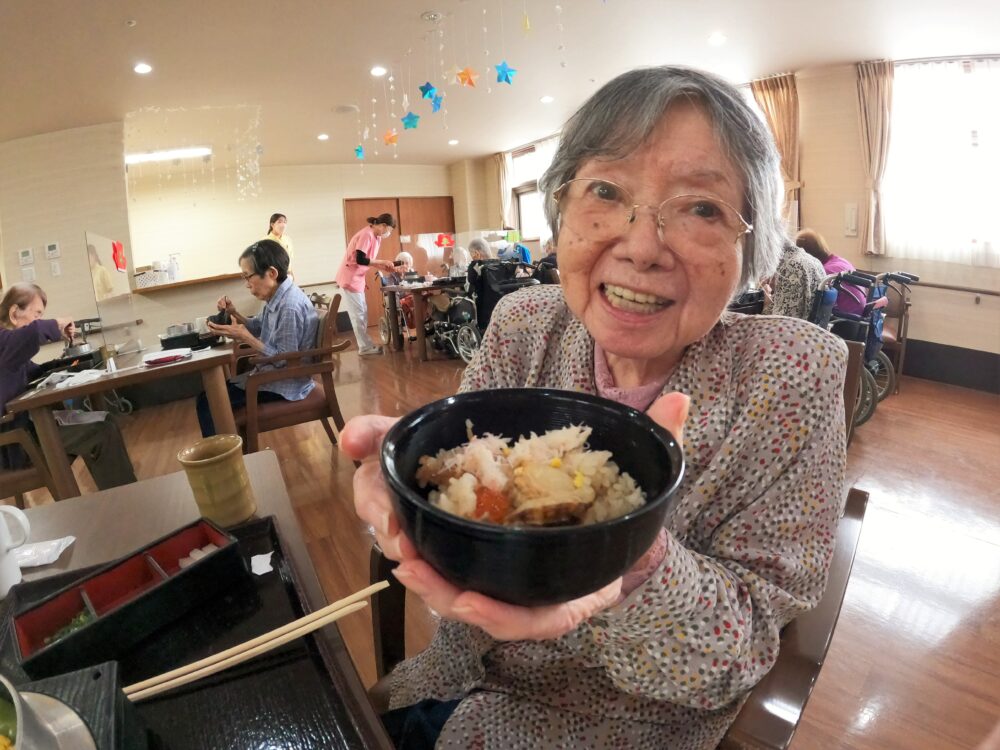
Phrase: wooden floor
(915, 660)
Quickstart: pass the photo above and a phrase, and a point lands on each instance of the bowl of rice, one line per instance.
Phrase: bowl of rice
(531, 496)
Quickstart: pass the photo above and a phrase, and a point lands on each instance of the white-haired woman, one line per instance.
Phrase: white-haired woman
(664, 199)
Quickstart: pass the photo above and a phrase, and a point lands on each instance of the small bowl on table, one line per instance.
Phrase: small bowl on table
(531, 566)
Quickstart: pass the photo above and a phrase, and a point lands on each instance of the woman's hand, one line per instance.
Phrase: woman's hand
(235, 331)
(224, 303)
(361, 440)
(67, 328)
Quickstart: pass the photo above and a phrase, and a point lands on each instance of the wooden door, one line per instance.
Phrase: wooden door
(421, 220)
(356, 213)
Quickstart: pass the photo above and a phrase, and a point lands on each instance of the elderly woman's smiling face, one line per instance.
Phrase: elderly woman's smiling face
(645, 294)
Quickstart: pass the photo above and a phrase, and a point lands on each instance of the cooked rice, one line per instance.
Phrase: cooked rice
(550, 478)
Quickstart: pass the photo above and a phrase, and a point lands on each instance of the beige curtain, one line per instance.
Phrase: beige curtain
(875, 105)
(779, 100)
(505, 169)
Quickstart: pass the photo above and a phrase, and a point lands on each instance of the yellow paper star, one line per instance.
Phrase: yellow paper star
(468, 77)
(391, 137)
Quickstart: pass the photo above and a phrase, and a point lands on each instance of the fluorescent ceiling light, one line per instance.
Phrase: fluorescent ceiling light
(143, 68)
(716, 38)
(453, 142)
(547, 99)
(378, 71)
(322, 137)
(168, 155)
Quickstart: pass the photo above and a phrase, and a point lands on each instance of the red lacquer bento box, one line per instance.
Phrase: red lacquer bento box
(120, 604)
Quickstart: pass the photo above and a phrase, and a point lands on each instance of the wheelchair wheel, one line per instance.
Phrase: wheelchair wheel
(884, 373)
(467, 342)
(867, 398)
(383, 330)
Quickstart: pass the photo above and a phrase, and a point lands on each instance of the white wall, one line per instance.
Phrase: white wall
(832, 173)
(210, 228)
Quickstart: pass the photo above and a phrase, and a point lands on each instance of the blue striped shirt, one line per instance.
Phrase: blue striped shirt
(288, 323)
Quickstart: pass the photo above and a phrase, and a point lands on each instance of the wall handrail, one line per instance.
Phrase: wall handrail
(952, 288)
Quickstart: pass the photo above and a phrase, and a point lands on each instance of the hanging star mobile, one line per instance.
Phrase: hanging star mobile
(468, 77)
(427, 91)
(410, 121)
(505, 73)
(359, 152)
(391, 137)
(451, 75)
(436, 102)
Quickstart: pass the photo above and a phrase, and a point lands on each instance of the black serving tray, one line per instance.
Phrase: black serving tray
(129, 600)
(283, 699)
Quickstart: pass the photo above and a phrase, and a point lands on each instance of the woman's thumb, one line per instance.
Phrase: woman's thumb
(671, 411)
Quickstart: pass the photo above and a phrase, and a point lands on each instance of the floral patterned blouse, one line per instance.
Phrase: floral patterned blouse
(748, 546)
(798, 276)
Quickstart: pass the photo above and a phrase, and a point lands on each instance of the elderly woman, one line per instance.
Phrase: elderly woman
(791, 289)
(288, 323)
(664, 201)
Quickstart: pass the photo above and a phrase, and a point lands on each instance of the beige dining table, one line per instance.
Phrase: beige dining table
(110, 524)
(39, 402)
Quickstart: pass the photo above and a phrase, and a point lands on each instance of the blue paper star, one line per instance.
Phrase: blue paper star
(359, 152)
(505, 73)
(436, 102)
(411, 121)
(427, 91)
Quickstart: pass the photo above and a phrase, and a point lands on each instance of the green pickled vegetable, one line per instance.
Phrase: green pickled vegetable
(78, 621)
(8, 720)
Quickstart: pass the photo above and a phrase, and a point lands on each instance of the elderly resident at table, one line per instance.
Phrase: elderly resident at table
(851, 298)
(402, 266)
(664, 198)
(22, 332)
(479, 249)
(790, 290)
(287, 323)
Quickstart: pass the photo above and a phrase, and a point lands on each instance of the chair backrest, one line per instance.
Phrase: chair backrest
(15, 482)
(852, 384)
(326, 331)
(772, 711)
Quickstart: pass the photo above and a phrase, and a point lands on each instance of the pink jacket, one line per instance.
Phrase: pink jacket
(351, 275)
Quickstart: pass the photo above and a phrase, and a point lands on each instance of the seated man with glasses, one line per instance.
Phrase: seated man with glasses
(288, 323)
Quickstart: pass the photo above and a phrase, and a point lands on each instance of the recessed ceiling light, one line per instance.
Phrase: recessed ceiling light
(716, 38)
(378, 71)
(453, 142)
(322, 137)
(547, 99)
(143, 68)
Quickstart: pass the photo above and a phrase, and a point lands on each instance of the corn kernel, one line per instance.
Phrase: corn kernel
(556, 462)
(578, 480)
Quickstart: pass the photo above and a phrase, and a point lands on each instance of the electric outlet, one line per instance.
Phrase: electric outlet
(55, 268)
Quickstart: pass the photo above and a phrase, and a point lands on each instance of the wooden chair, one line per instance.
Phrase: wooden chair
(895, 326)
(15, 482)
(852, 384)
(771, 713)
(321, 403)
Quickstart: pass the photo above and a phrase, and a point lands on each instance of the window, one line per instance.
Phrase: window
(528, 165)
(941, 187)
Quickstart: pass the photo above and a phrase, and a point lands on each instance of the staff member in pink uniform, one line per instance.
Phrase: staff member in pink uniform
(361, 254)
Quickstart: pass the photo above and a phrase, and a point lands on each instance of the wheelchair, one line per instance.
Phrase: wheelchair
(457, 327)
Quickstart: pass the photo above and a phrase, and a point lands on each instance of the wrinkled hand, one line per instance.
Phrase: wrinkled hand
(235, 331)
(361, 440)
(67, 328)
(224, 303)
(880, 303)
(768, 293)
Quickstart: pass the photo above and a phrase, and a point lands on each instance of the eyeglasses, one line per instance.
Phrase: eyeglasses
(601, 211)
(248, 276)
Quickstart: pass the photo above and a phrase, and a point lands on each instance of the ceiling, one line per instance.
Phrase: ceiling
(69, 64)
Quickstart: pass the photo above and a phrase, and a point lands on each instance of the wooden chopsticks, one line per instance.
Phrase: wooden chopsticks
(252, 648)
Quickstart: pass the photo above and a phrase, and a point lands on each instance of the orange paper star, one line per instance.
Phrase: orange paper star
(468, 77)
(391, 137)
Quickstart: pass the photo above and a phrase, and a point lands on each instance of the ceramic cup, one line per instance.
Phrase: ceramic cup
(201, 325)
(218, 479)
(10, 571)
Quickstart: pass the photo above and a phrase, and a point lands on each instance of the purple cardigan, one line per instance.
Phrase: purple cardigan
(17, 347)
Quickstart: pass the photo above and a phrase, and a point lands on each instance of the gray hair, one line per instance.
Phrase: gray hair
(625, 111)
(405, 257)
(480, 247)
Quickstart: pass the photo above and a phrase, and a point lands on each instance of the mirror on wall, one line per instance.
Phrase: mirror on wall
(109, 276)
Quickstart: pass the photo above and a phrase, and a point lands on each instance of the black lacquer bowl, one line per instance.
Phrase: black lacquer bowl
(531, 566)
